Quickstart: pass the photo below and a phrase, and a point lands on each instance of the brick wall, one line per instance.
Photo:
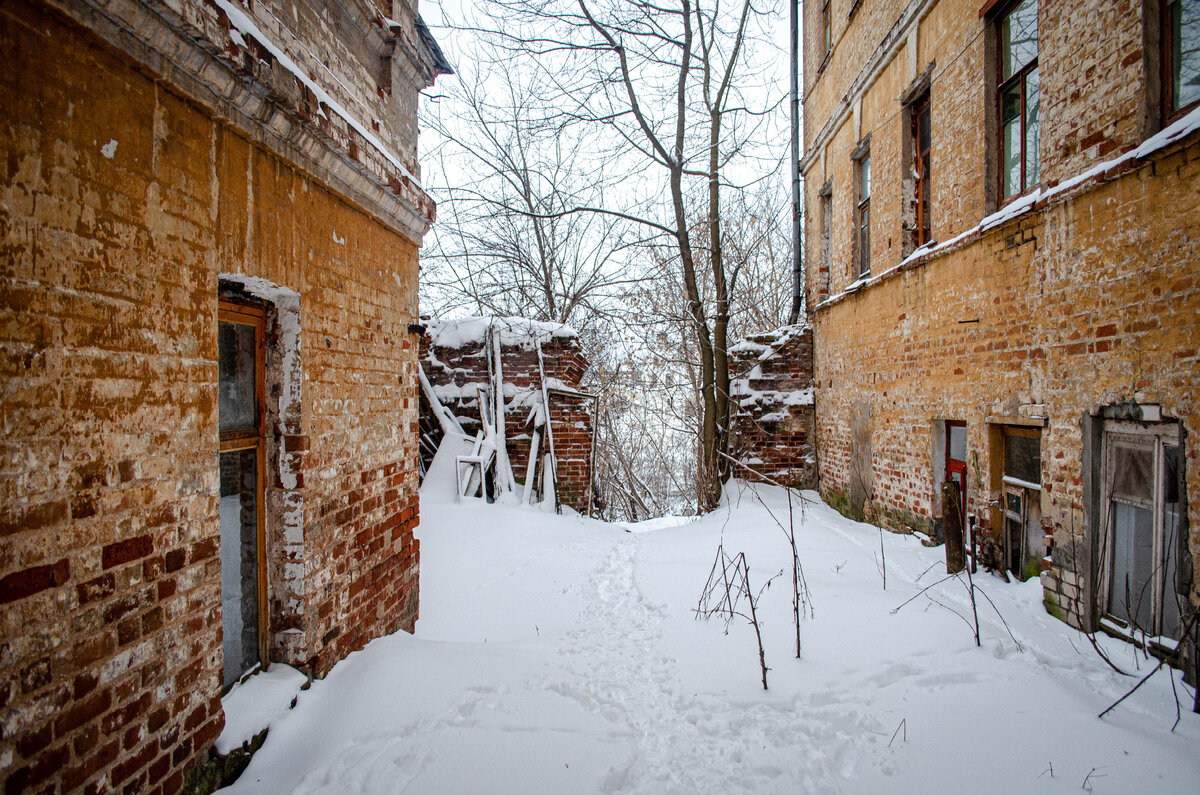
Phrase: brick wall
(1086, 301)
(126, 206)
(772, 430)
(457, 369)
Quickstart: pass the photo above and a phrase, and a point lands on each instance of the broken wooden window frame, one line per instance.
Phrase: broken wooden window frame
(1123, 439)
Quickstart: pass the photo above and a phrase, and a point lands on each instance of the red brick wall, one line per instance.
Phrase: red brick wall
(571, 417)
(110, 597)
(772, 417)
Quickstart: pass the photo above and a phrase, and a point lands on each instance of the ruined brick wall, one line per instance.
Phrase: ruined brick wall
(773, 420)
(457, 369)
(126, 205)
(1085, 300)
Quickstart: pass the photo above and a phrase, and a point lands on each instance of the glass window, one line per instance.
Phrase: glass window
(1019, 99)
(1018, 38)
(1184, 53)
(864, 215)
(1143, 548)
(958, 442)
(1023, 457)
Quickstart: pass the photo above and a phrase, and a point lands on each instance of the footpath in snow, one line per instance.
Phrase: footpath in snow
(557, 654)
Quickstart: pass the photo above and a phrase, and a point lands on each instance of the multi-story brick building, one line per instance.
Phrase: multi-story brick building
(1003, 270)
(210, 218)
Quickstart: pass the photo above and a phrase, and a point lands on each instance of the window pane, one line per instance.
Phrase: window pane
(958, 442)
(239, 562)
(1130, 595)
(1023, 458)
(865, 241)
(1018, 38)
(1011, 162)
(236, 382)
(865, 179)
(1032, 103)
(1174, 591)
(1185, 56)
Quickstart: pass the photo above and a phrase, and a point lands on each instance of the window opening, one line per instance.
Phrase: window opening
(921, 145)
(1021, 506)
(241, 352)
(1181, 56)
(826, 29)
(863, 236)
(1019, 98)
(826, 263)
(1141, 542)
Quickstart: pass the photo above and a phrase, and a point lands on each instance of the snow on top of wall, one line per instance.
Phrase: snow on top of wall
(513, 331)
(739, 388)
(1164, 138)
(766, 343)
(244, 26)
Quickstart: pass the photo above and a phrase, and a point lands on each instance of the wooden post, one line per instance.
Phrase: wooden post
(952, 517)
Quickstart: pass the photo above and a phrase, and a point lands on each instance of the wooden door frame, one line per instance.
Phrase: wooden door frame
(254, 438)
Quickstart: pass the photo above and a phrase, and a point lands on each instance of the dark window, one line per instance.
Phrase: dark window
(1023, 457)
(919, 127)
(826, 28)
(862, 171)
(1181, 56)
(1019, 98)
(826, 263)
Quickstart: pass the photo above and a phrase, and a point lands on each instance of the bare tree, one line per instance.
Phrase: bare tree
(503, 244)
(664, 83)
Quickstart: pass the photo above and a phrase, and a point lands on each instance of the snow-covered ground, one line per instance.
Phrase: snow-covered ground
(560, 655)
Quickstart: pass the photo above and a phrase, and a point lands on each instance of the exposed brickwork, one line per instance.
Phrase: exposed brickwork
(1088, 300)
(127, 204)
(456, 371)
(772, 391)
